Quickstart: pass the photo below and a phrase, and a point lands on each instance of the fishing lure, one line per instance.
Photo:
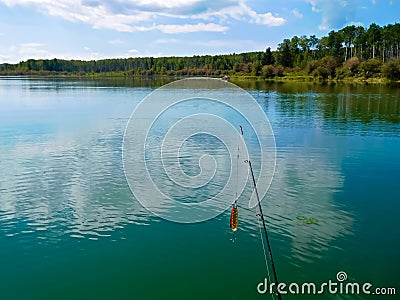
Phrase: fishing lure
(234, 221)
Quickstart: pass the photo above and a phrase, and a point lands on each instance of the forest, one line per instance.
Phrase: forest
(351, 52)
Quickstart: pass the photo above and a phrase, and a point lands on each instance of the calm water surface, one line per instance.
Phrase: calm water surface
(70, 227)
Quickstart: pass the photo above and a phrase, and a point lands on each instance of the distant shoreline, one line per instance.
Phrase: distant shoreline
(351, 54)
(233, 78)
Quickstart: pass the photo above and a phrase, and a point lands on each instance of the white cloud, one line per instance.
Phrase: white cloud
(31, 51)
(181, 28)
(323, 26)
(4, 57)
(165, 41)
(233, 45)
(138, 15)
(34, 50)
(228, 43)
(90, 54)
(313, 5)
(357, 24)
(265, 19)
(116, 42)
(166, 3)
(335, 13)
(32, 45)
(186, 28)
(130, 53)
(243, 12)
(297, 13)
(134, 51)
(98, 16)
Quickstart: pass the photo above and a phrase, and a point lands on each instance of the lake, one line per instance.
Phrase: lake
(71, 228)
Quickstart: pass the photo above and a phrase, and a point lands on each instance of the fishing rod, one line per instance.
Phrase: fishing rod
(261, 215)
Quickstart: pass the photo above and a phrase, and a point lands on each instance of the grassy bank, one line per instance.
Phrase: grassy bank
(289, 77)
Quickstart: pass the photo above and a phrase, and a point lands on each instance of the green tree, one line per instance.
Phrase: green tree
(256, 68)
(267, 58)
(334, 43)
(348, 35)
(330, 63)
(374, 38)
(371, 67)
(360, 42)
(391, 69)
(351, 66)
(284, 54)
(268, 71)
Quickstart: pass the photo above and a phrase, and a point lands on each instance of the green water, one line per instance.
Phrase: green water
(70, 227)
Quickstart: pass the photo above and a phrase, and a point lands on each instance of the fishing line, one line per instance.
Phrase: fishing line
(265, 254)
(261, 215)
(234, 222)
(237, 173)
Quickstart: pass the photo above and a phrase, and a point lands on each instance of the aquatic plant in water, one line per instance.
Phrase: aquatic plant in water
(307, 220)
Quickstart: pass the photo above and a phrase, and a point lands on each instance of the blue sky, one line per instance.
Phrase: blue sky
(95, 29)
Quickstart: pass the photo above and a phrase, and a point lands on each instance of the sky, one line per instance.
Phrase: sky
(97, 29)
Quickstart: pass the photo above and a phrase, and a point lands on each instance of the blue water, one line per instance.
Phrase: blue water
(70, 228)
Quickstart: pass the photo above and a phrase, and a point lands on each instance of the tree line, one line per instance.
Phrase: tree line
(349, 52)
(353, 51)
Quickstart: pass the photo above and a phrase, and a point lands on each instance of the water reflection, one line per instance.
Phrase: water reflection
(70, 82)
(320, 88)
(68, 179)
(362, 110)
(67, 185)
(347, 108)
(308, 177)
(60, 160)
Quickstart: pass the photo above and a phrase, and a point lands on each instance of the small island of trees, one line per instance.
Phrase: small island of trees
(352, 52)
